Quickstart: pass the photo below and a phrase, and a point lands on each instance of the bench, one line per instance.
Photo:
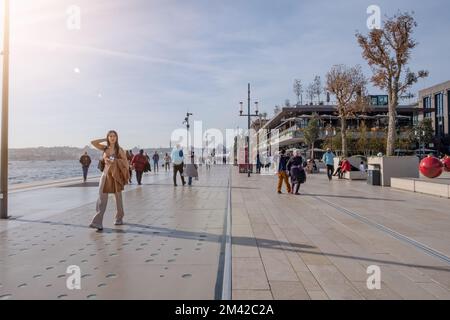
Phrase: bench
(355, 175)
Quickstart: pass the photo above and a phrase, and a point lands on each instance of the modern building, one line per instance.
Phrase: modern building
(434, 103)
(291, 121)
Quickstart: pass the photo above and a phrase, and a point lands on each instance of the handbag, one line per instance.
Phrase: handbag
(101, 165)
(302, 178)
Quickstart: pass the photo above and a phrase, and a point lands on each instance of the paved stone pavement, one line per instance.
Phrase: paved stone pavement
(314, 246)
(169, 247)
(318, 245)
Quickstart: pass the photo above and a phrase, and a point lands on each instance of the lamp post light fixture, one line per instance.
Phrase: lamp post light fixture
(186, 122)
(419, 134)
(248, 115)
(330, 132)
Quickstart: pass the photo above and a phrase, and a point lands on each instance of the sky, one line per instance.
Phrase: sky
(138, 66)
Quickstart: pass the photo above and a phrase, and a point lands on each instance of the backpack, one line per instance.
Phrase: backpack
(180, 153)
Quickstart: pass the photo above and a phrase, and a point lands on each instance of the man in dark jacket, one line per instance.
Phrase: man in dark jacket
(282, 172)
(85, 161)
(156, 161)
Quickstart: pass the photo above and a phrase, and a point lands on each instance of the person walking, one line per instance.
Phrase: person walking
(148, 167)
(296, 171)
(191, 170)
(130, 156)
(178, 163)
(167, 160)
(85, 161)
(113, 180)
(328, 159)
(139, 163)
(258, 163)
(208, 163)
(156, 161)
(282, 172)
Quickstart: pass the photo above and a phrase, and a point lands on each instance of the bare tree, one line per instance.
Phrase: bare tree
(310, 92)
(287, 103)
(348, 86)
(387, 51)
(317, 88)
(298, 90)
(311, 133)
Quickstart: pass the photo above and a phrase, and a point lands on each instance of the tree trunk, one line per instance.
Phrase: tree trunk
(344, 136)
(392, 130)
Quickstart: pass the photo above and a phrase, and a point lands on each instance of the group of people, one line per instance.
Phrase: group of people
(139, 162)
(117, 165)
(189, 170)
(292, 166)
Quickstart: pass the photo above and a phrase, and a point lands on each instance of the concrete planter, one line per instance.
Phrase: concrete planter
(395, 167)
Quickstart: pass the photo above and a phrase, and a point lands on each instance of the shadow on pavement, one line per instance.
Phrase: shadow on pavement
(349, 197)
(236, 240)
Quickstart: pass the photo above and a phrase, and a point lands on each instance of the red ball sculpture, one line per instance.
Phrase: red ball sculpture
(446, 163)
(431, 167)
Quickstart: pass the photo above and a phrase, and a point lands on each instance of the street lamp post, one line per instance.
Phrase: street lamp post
(4, 139)
(186, 122)
(331, 133)
(419, 134)
(248, 115)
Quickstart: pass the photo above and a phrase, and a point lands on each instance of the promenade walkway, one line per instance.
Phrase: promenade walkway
(169, 247)
(318, 245)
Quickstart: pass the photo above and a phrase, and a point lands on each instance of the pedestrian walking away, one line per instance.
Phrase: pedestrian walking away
(191, 170)
(208, 163)
(296, 171)
(328, 159)
(130, 156)
(178, 163)
(258, 163)
(114, 178)
(139, 164)
(167, 160)
(282, 172)
(148, 166)
(85, 161)
(155, 161)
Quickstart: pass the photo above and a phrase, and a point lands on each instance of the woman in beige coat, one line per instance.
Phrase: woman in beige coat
(115, 176)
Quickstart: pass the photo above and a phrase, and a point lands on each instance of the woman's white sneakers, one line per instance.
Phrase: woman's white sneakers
(118, 223)
(95, 226)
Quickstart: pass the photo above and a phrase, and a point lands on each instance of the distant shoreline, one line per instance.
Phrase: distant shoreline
(63, 153)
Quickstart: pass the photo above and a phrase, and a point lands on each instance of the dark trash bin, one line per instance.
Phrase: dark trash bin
(374, 177)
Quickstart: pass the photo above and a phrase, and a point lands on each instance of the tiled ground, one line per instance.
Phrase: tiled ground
(168, 249)
(314, 246)
(318, 245)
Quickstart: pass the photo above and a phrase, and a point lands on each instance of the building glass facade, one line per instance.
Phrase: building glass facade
(439, 114)
(427, 107)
